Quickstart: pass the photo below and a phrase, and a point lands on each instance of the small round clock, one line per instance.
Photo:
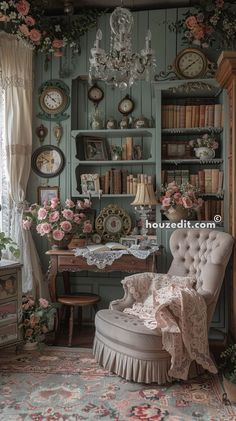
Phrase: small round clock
(191, 63)
(48, 161)
(126, 105)
(53, 100)
(95, 94)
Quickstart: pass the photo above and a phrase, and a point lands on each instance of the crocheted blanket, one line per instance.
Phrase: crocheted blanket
(181, 315)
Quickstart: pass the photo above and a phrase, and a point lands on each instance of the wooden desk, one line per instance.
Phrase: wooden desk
(65, 261)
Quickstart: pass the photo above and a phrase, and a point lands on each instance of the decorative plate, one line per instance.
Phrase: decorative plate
(112, 223)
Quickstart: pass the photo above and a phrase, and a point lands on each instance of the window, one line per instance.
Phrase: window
(4, 193)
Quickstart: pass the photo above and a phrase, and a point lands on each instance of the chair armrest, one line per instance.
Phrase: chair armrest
(136, 289)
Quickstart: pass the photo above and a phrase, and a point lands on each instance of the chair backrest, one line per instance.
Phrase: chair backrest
(203, 253)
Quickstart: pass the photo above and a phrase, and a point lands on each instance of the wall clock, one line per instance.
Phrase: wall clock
(48, 161)
(126, 105)
(95, 94)
(112, 223)
(191, 63)
(54, 100)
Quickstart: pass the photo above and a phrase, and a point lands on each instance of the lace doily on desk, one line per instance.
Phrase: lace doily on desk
(107, 258)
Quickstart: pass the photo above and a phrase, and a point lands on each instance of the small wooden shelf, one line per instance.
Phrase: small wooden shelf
(94, 196)
(147, 132)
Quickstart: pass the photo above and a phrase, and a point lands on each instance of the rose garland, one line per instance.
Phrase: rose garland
(208, 22)
(47, 35)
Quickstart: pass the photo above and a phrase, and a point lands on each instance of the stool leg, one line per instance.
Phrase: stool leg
(71, 323)
(95, 307)
(79, 316)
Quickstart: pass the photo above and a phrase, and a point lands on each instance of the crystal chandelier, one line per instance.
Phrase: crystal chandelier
(121, 67)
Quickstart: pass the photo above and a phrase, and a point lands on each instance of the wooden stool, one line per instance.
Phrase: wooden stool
(81, 299)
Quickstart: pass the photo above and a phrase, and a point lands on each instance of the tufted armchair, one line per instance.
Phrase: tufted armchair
(124, 345)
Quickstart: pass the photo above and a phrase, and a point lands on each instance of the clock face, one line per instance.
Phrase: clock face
(48, 161)
(95, 94)
(53, 100)
(113, 224)
(126, 105)
(191, 63)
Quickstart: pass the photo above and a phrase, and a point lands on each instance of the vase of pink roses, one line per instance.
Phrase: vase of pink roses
(178, 200)
(59, 223)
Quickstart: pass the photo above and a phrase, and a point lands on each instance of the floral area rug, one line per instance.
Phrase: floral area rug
(58, 384)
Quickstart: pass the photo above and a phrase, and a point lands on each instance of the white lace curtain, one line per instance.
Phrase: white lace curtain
(16, 85)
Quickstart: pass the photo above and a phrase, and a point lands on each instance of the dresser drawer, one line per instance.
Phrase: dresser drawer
(8, 312)
(8, 285)
(8, 333)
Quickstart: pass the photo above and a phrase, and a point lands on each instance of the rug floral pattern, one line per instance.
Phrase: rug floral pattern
(61, 384)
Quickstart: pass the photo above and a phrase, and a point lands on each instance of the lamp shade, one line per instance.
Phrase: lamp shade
(145, 195)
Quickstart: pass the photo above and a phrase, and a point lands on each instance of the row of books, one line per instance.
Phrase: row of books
(208, 180)
(189, 116)
(210, 208)
(131, 151)
(116, 181)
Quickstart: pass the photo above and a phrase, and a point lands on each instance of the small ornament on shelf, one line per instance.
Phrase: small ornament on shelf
(141, 122)
(41, 132)
(96, 120)
(111, 123)
(58, 132)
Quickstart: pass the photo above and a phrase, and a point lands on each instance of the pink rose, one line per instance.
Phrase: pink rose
(57, 43)
(80, 204)
(29, 21)
(77, 218)
(166, 201)
(54, 202)
(24, 29)
(58, 234)
(46, 228)
(23, 7)
(27, 223)
(66, 226)
(69, 203)
(39, 229)
(177, 195)
(87, 203)
(190, 22)
(54, 216)
(35, 35)
(68, 214)
(87, 228)
(187, 202)
(43, 303)
(179, 201)
(42, 213)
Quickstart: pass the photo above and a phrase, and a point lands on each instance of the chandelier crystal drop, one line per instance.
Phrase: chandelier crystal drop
(121, 67)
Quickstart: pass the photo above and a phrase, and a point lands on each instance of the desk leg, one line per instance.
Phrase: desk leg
(66, 281)
(52, 276)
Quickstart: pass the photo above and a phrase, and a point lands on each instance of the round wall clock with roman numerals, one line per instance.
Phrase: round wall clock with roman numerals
(48, 161)
(54, 99)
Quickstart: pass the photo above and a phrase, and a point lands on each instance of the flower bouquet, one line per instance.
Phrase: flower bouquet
(210, 21)
(178, 200)
(59, 223)
(37, 318)
(205, 146)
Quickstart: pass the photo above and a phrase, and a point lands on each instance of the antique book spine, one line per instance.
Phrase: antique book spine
(197, 116)
(117, 181)
(182, 117)
(208, 180)
(202, 108)
(178, 177)
(201, 180)
(215, 179)
(211, 115)
(124, 175)
(129, 141)
(185, 176)
(111, 181)
(220, 181)
(188, 116)
(102, 183)
(124, 151)
(206, 123)
(107, 182)
(135, 185)
(177, 116)
(192, 179)
(217, 115)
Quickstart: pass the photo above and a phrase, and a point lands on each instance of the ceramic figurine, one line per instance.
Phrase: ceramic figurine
(141, 122)
(111, 123)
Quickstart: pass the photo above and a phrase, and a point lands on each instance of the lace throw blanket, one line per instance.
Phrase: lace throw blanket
(181, 315)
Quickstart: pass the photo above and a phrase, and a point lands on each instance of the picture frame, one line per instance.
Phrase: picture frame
(95, 149)
(46, 193)
(176, 150)
(128, 241)
(90, 183)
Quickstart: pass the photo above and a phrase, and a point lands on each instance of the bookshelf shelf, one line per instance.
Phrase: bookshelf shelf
(193, 130)
(97, 196)
(118, 162)
(113, 133)
(213, 161)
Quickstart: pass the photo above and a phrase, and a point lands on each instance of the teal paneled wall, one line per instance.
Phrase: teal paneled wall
(166, 45)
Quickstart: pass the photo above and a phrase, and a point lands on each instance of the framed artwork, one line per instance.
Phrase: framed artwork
(95, 149)
(128, 241)
(176, 150)
(46, 193)
(90, 183)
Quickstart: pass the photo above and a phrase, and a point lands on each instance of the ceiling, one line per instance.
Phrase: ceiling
(57, 7)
